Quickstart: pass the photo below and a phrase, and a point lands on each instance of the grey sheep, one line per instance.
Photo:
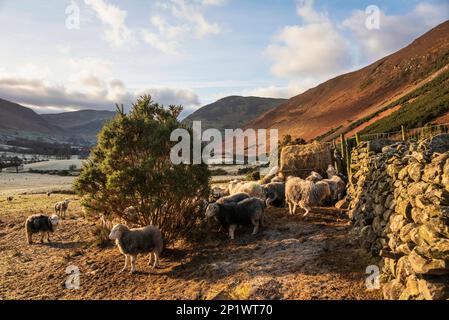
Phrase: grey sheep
(40, 223)
(234, 198)
(61, 208)
(247, 212)
(274, 194)
(132, 242)
(337, 188)
(305, 194)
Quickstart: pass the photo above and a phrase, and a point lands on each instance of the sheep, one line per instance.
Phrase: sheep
(247, 212)
(234, 198)
(314, 177)
(252, 188)
(62, 207)
(274, 194)
(277, 179)
(331, 171)
(40, 223)
(305, 194)
(337, 187)
(48, 194)
(218, 193)
(267, 179)
(9, 199)
(132, 242)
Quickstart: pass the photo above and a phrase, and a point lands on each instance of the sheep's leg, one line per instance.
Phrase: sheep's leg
(42, 237)
(307, 208)
(150, 260)
(289, 207)
(29, 237)
(232, 228)
(126, 263)
(48, 236)
(133, 263)
(256, 228)
(294, 209)
(156, 259)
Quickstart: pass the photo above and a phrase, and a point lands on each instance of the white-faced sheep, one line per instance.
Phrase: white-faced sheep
(132, 242)
(337, 187)
(252, 188)
(40, 223)
(61, 208)
(305, 194)
(274, 194)
(331, 171)
(247, 212)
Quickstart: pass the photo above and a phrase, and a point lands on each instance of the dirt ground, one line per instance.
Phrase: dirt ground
(291, 258)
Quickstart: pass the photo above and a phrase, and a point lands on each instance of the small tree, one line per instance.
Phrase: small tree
(130, 166)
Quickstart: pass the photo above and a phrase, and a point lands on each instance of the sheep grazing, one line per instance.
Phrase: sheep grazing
(9, 199)
(132, 242)
(40, 223)
(252, 188)
(337, 187)
(305, 194)
(314, 177)
(61, 208)
(274, 194)
(234, 198)
(247, 212)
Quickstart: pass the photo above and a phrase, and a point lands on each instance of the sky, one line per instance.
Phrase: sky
(64, 55)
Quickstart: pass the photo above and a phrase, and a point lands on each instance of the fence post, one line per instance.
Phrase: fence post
(342, 142)
(348, 159)
(403, 133)
(357, 138)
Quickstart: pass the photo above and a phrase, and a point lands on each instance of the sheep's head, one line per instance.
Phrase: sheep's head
(67, 201)
(54, 220)
(117, 231)
(212, 210)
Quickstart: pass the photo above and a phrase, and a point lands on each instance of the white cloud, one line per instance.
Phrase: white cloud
(116, 32)
(189, 20)
(275, 92)
(395, 31)
(315, 47)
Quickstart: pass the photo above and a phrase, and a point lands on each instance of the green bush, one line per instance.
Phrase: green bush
(131, 166)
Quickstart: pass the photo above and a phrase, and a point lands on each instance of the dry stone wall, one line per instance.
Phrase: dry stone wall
(399, 202)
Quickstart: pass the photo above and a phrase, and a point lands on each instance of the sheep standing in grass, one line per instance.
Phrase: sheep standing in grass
(252, 188)
(337, 187)
(61, 208)
(305, 194)
(274, 194)
(40, 223)
(132, 242)
(247, 212)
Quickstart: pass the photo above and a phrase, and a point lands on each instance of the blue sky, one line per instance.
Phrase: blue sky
(192, 52)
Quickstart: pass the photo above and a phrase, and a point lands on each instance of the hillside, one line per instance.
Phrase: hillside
(340, 104)
(14, 117)
(84, 122)
(232, 112)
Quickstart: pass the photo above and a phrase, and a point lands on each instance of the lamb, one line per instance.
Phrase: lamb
(314, 177)
(234, 198)
(305, 194)
(40, 223)
(62, 207)
(252, 188)
(337, 187)
(274, 194)
(247, 212)
(132, 242)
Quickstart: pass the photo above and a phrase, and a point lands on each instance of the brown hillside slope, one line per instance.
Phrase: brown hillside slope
(352, 96)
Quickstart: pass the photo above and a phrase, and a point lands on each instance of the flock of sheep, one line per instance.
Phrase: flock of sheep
(241, 204)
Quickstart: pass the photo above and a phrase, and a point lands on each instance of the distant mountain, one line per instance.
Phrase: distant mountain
(232, 112)
(84, 122)
(16, 118)
(392, 87)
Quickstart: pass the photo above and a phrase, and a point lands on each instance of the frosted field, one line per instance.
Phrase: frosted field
(30, 183)
(54, 165)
